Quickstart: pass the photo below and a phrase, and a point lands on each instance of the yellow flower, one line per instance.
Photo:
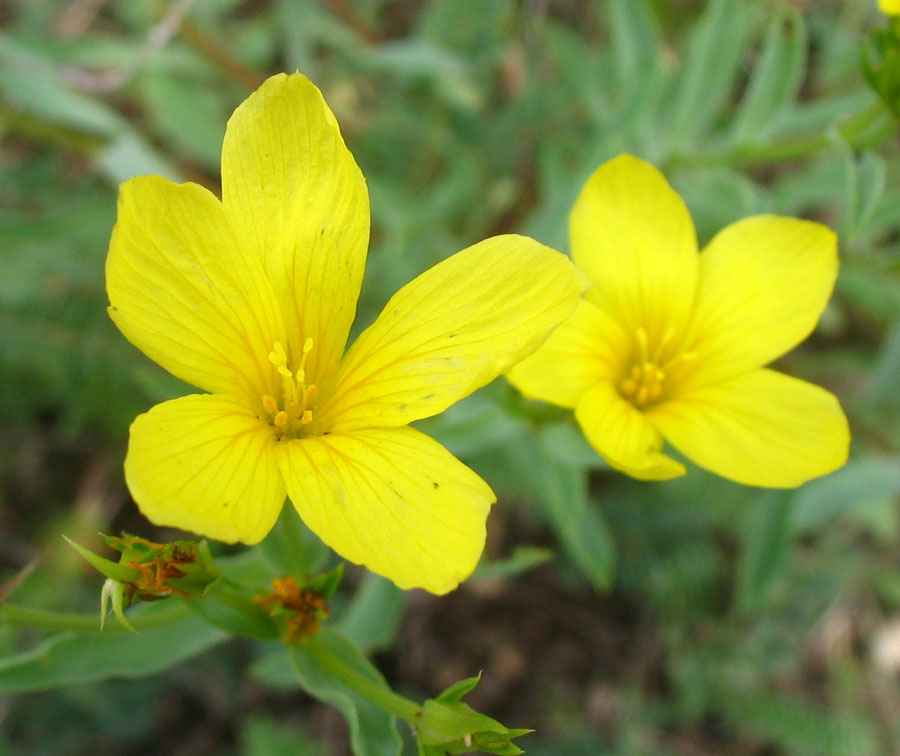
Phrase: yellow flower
(671, 345)
(890, 7)
(251, 299)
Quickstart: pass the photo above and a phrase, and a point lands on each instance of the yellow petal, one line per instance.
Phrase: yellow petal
(587, 348)
(185, 293)
(633, 236)
(450, 331)
(204, 463)
(624, 436)
(764, 282)
(890, 7)
(393, 500)
(293, 190)
(762, 428)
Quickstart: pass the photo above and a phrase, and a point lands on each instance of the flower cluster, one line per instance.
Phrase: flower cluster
(251, 298)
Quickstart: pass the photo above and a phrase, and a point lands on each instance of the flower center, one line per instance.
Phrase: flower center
(644, 381)
(294, 412)
(644, 384)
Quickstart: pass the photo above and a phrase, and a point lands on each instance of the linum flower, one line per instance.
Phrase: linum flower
(890, 7)
(669, 344)
(251, 299)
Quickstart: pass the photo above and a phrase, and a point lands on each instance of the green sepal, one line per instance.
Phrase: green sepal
(193, 559)
(327, 583)
(456, 691)
(115, 591)
(121, 572)
(449, 726)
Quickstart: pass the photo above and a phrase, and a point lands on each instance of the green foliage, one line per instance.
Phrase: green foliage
(266, 737)
(373, 732)
(67, 659)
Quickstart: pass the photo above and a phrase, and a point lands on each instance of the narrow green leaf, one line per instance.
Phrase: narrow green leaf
(846, 492)
(581, 529)
(872, 180)
(68, 658)
(776, 78)
(35, 87)
(373, 732)
(634, 39)
(522, 559)
(715, 47)
(766, 547)
(846, 162)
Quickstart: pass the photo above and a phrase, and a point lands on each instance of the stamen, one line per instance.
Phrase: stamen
(667, 337)
(295, 394)
(643, 383)
(277, 356)
(642, 340)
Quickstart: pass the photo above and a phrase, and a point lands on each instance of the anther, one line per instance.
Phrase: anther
(281, 419)
(306, 419)
(278, 356)
(269, 404)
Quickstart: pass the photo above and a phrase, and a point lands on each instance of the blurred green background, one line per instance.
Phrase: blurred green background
(690, 618)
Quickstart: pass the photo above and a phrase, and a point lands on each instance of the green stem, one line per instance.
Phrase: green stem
(856, 131)
(44, 620)
(382, 697)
